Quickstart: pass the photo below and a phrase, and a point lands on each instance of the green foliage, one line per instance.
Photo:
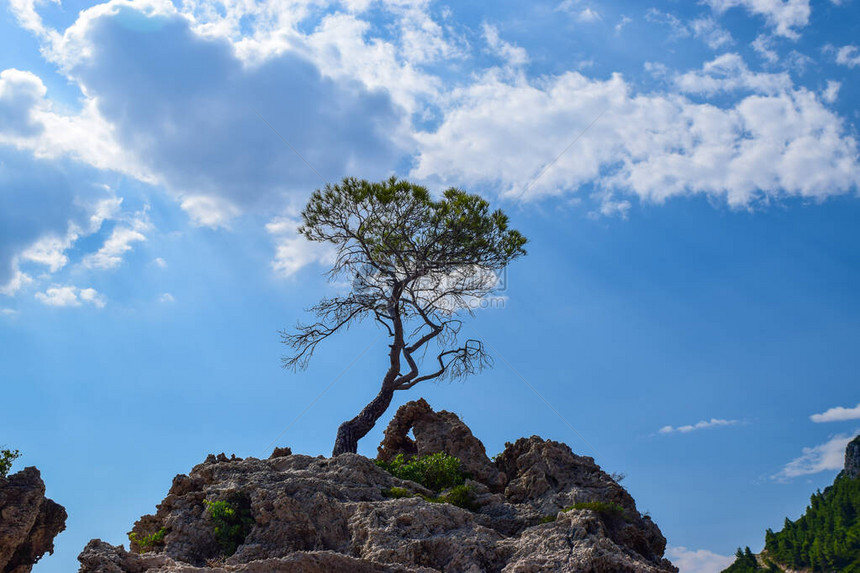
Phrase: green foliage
(745, 562)
(232, 520)
(827, 536)
(147, 542)
(437, 471)
(461, 496)
(397, 492)
(549, 518)
(6, 459)
(601, 507)
(401, 218)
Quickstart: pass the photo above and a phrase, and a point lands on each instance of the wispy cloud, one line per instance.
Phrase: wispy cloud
(837, 414)
(698, 561)
(712, 423)
(824, 457)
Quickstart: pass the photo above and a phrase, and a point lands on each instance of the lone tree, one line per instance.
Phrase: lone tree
(416, 266)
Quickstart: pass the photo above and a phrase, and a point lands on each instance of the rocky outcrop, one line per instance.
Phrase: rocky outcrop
(438, 432)
(319, 514)
(28, 521)
(852, 458)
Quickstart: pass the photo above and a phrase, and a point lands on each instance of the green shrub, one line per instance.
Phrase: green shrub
(437, 471)
(233, 522)
(461, 496)
(6, 459)
(147, 542)
(549, 518)
(396, 492)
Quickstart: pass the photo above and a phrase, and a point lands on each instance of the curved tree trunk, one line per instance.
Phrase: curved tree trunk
(353, 430)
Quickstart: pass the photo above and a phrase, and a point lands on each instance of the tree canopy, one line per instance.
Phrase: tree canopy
(416, 266)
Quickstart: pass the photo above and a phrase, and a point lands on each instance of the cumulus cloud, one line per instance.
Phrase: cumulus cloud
(778, 141)
(293, 251)
(698, 561)
(712, 423)
(21, 94)
(70, 296)
(188, 110)
(785, 16)
(837, 414)
(823, 457)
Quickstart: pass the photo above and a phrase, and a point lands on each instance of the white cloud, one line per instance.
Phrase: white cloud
(712, 423)
(622, 23)
(50, 250)
(679, 29)
(698, 561)
(711, 33)
(823, 457)
(786, 16)
(293, 251)
(21, 95)
(160, 263)
(212, 212)
(8, 311)
(91, 296)
(763, 44)
(166, 298)
(848, 56)
(552, 135)
(110, 255)
(831, 92)
(584, 14)
(69, 296)
(837, 414)
(512, 54)
(729, 72)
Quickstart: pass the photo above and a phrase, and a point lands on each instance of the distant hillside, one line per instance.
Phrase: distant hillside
(824, 539)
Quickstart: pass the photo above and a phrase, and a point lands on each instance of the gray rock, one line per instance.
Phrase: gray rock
(318, 514)
(28, 521)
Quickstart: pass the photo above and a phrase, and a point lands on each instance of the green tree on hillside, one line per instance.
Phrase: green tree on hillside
(416, 266)
(827, 536)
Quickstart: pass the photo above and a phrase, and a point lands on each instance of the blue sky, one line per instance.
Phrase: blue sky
(687, 174)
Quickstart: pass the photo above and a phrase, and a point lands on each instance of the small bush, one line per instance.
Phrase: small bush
(147, 542)
(396, 492)
(233, 522)
(437, 471)
(461, 496)
(6, 459)
(549, 518)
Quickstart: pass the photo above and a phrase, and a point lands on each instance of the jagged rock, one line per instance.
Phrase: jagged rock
(438, 432)
(28, 521)
(852, 458)
(317, 514)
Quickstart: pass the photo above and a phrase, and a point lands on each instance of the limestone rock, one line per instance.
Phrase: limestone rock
(438, 432)
(28, 521)
(852, 458)
(332, 515)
